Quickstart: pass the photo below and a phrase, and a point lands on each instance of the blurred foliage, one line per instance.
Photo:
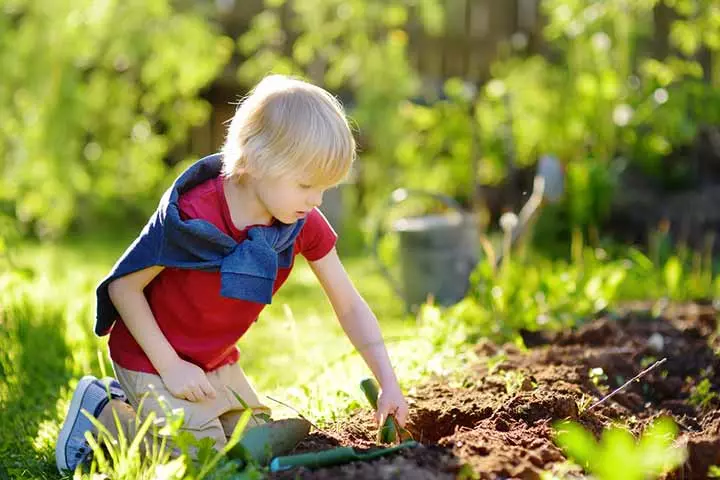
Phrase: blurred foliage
(439, 141)
(598, 100)
(94, 97)
(96, 111)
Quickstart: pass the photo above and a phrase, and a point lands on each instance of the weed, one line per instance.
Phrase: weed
(618, 456)
(583, 403)
(702, 394)
(597, 376)
(515, 381)
(494, 362)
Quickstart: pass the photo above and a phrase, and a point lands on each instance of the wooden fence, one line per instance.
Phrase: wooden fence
(474, 31)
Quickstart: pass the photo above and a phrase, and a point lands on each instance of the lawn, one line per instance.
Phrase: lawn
(296, 352)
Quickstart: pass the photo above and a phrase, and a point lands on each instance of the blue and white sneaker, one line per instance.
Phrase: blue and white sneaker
(116, 391)
(90, 394)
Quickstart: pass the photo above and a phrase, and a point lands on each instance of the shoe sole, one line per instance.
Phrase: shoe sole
(70, 420)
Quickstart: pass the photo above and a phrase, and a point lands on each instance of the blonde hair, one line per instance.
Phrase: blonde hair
(286, 125)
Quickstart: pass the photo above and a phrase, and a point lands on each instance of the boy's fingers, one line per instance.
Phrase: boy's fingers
(208, 390)
(380, 416)
(401, 416)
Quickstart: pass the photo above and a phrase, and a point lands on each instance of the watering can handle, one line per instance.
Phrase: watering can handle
(398, 196)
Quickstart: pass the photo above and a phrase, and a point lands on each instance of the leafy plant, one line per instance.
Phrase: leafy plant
(515, 380)
(542, 294)
(597, 376)
(584, 403)
(702, 394)
(617, 455)
(91, 107)
(531, 292)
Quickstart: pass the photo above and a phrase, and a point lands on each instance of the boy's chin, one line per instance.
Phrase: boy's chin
(287, 219)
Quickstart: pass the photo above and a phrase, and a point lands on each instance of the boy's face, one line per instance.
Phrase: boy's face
(289, 198)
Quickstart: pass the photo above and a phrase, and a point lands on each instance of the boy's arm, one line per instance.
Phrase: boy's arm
(361, 327)
(183, 379)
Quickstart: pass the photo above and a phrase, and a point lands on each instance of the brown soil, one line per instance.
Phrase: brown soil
(484, 425)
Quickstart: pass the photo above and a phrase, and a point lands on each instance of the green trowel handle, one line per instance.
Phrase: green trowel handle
(371, 391)
(336, 456)
(329, 458)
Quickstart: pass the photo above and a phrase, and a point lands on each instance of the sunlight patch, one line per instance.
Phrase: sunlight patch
(47, 435)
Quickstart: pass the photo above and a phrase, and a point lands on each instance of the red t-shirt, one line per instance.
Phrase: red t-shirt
(201, 325)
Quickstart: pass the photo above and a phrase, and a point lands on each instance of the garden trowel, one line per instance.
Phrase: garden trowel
(261, 443)
(390, 431)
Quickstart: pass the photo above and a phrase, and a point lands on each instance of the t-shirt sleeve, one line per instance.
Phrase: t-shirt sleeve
(317, 237)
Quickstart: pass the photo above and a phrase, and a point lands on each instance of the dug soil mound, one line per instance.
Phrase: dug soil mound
(495, 420)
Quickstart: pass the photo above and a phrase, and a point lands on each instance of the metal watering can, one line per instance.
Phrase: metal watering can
(437, 253)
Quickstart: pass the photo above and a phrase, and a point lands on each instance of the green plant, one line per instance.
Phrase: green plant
(539, 294)
(494, 362)
(515, 381)
(437, 151)
(676, 278)
(597, 376)
(702, 394)
(583, 403)
(618, 456)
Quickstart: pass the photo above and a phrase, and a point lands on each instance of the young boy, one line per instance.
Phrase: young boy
(221, 243)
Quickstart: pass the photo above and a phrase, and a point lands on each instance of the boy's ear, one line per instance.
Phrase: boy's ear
(239, 173)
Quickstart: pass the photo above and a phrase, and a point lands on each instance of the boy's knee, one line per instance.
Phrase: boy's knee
(118, 414)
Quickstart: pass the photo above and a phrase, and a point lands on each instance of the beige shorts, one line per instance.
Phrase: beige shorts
(215, 418)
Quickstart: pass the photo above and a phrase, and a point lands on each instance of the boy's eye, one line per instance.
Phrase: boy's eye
(305, 186)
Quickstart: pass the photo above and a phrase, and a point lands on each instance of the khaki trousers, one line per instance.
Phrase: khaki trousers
(214, 418)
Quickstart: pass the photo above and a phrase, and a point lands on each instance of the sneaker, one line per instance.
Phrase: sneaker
(90, 394)
(116, 391)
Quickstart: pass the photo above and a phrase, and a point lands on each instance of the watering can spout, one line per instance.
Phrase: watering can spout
(551, 171)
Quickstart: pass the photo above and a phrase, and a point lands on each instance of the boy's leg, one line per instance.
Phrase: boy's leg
(90, 395)
(231, 378)
(144, 391)
(126, 418)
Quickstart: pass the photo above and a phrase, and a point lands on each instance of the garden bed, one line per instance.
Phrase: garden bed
(496, 420)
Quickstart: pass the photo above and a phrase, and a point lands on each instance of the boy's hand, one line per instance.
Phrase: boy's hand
(391, 402)
(187, 380)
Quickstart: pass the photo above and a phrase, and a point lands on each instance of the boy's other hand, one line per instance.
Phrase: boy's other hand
(391, 402)
(187, 380)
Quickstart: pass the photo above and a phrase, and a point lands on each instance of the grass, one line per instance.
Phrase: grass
(296, 352)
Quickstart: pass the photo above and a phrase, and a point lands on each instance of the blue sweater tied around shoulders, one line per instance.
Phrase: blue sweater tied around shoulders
(248, 269)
